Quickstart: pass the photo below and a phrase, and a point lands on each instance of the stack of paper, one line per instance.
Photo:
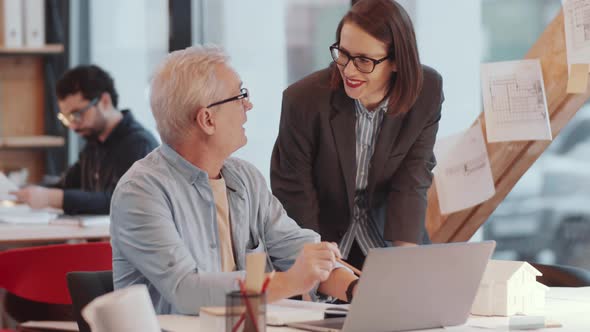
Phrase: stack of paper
(214, 318)
(83, 220)
(23, 214)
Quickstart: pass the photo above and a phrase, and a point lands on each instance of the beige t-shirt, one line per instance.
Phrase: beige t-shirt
(228, 263)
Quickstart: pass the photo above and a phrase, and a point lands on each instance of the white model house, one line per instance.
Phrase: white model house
(508, 288)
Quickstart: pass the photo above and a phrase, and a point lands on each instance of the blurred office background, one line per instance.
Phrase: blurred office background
(274, 43)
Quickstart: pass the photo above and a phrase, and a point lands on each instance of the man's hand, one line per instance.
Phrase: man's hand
(38, 197)
(403, 244)
(313, 265)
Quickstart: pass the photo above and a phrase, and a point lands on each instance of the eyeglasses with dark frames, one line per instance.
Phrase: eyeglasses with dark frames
(362, 63)
(76, 116)
(243, 95)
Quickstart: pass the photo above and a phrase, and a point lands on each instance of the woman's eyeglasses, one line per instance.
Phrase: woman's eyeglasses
(362, 63)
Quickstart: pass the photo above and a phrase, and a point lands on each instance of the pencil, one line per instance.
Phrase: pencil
(267, 281)
(250, 310)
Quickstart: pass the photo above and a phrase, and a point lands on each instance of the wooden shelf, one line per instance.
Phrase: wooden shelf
(28, 142)
(47, 49)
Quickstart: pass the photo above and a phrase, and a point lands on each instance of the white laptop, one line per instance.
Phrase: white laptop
(411, 288)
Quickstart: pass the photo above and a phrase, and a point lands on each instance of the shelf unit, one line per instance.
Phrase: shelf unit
(25, 106)
(47, 49)
(31, 142)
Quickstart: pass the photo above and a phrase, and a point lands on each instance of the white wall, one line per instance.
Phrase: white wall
(256, 44)
(253, 33)
(450, 40)
(128, 38)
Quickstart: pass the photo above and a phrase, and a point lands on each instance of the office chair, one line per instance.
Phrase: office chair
(562, 275)
(35, 278)
(85, 287)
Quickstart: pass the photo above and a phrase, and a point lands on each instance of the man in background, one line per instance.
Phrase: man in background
(87, 100)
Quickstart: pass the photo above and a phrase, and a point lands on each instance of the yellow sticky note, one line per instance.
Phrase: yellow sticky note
(578, 79)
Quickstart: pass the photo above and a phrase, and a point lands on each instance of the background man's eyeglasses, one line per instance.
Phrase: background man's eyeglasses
(243, 95)
(362, 63)
(76, 116)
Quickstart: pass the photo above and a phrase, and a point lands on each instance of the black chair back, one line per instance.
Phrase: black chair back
(85, 287)
(562, 275)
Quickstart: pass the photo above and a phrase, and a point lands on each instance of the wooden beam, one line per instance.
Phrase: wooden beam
(510, 160)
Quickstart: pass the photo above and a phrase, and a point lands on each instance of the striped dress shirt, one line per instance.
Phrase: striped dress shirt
(362, 227)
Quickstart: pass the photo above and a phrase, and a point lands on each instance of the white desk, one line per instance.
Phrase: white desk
(568, 306)
(21, 224)
(10, 233)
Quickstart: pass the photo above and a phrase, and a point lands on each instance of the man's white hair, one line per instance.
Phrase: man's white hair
(184, 82)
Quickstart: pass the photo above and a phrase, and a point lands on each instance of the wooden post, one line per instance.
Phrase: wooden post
(510, 160)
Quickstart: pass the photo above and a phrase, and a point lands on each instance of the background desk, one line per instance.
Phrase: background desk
(10, 233)
(568, 306)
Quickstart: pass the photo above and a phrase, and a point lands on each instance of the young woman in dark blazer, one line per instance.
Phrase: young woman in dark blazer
(354, 155)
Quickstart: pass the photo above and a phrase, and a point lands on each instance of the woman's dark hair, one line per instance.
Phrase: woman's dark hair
(387, 21)
(91, 81)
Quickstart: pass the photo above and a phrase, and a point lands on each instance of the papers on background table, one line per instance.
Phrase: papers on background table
(23, 214)
(463, 175)
(6, 186)
(514, 101)
(83, 220)
(577, 40)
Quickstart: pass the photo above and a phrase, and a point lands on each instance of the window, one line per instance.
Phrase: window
(128, 39)
(275, 43)
(543, 219)
(290, 41)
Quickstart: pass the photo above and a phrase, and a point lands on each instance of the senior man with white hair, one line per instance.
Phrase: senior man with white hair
(185, 216)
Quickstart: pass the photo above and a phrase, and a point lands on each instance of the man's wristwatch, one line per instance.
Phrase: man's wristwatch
(350, 289)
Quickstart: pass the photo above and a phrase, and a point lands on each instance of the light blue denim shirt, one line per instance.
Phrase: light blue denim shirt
(164, 230)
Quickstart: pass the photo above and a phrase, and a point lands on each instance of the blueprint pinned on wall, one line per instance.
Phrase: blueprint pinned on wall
(514, 101)
(463, 176)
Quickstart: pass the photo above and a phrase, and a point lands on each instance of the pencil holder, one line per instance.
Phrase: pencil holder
(245, 312)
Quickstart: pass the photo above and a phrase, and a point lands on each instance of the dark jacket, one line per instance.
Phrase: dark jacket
(89, 184)
(313, 163)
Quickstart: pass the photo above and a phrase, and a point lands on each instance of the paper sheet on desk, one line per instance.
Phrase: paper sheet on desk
(6, 186)
(483, 323)
(279, 313)
(23, 214)
(60, 326)
(291, 311)
(574, 294)
(84, 220)
(318, 306)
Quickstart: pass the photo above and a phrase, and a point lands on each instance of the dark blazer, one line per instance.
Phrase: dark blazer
(313, 162)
